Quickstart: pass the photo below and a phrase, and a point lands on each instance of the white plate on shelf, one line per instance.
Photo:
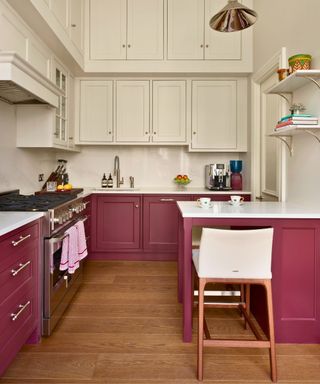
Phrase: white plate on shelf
(235, 204)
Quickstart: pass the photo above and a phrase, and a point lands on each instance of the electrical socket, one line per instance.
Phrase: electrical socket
(40, 177)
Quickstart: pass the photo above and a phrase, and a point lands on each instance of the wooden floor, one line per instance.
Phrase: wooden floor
(124, 326)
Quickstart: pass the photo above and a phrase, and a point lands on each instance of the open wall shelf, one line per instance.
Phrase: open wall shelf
(291, 83)
(285, 134)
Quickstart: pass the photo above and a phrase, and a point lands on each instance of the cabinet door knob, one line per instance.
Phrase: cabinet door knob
(201, 45)
(147, 133)
(123, 45)
(137, 206)
(70, 138)
(129, 46)
(109, 132)
(207, 45)
(154, 133)
(194, 133)
(73, 25)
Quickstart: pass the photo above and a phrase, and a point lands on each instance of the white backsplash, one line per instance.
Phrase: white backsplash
(19, 167)
(150, 166)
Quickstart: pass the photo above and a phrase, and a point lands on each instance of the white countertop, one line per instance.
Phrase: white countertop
(13, 220)
(163, 190)
(250, 210)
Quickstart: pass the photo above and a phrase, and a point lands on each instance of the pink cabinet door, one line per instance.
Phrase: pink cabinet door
(160, 222)
(117, 223)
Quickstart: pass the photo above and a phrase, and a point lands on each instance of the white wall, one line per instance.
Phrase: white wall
(150, 166)
(19, 168)
(295, 25)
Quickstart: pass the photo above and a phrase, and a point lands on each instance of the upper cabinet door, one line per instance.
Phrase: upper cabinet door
(107, 29)
(145, 29)
(169, 111)
(218, 45)
(132, 111)
(185, 29)
(60, 9)
(214, 114)
(96, 106)
(76, 23)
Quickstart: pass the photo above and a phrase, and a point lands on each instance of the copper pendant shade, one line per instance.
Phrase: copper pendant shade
(233, 17)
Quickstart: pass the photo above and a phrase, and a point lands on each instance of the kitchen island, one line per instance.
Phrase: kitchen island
(295, 262)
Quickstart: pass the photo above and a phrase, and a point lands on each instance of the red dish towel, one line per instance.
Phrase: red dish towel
(69, 254)
(82, 243)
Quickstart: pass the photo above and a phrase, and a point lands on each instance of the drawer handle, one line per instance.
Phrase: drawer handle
(22, 307)
(163, 199)
(21, 239)
(14, 272)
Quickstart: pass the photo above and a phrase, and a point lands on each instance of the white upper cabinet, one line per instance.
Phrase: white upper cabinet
(126, 29)
(219, 117)
(185, 29)
(96, 111)
(132, 111)
(76, 23)
(190, 36)
(169, 111)
(60, 10)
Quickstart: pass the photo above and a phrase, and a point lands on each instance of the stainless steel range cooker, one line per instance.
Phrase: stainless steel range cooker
(61, 211)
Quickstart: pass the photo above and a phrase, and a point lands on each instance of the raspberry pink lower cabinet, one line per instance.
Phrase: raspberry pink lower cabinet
(19, 290)
(160, 222)
(135, 227)
(115, 225)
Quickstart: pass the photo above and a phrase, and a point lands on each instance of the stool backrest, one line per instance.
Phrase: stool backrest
(243, 254)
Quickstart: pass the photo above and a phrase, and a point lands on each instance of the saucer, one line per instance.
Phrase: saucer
(235, 204)
(209, 206)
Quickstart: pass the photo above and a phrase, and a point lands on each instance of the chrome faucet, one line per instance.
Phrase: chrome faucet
(116, 171)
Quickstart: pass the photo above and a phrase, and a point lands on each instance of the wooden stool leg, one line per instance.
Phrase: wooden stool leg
(202, 283)
(273, 363)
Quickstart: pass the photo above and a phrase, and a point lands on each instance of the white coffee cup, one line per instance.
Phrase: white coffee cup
(236, 200)
(204, 202)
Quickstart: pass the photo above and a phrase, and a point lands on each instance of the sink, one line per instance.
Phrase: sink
(124, 189)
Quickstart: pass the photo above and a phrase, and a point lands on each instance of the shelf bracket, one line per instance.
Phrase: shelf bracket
(288, 140)
(286, 99)
(313, 80)
(312, 134)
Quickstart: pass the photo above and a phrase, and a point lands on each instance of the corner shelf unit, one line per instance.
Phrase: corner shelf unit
(291, 83)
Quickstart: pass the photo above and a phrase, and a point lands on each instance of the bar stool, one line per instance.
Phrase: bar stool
(235, 257)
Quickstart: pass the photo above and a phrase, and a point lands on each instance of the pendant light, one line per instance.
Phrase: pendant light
(233, 17)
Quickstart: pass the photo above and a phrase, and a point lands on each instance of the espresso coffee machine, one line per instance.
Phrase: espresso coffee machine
(217, 177)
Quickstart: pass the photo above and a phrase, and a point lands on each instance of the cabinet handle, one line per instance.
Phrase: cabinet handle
(207, 45)
(123, 45)
(21, 239)
(21, 307)
(73, 25)
(129, 46)
(137, 206)
(194, 132)
(259, 197)
(70, 138)
(201, 45)
(164, 199)
(154, 133)
(14, 272)
(147, 133)
(109, 132)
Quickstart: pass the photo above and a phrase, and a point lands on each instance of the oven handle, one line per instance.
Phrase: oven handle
(55, 240)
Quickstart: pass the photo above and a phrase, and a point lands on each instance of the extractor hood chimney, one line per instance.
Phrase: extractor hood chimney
(20, 83)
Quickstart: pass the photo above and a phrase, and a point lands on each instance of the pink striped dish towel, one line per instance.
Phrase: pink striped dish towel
(82, 243)
(69, 254)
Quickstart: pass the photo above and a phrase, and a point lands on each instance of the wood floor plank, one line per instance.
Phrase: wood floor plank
(124, 327)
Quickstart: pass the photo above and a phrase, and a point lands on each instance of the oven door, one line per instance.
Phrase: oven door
(59, 286)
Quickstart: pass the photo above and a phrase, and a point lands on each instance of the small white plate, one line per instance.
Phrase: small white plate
(235, 204)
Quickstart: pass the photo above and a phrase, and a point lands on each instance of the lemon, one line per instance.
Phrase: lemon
(67, 186)
(60, 187)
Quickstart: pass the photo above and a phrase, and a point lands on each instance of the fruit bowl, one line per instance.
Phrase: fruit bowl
(182, 180)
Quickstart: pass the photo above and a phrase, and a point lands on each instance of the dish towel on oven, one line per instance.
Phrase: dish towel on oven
(74, 248)
(69, 254)
(82, 243)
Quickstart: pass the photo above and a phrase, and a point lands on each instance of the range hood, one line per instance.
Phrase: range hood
(20, 83)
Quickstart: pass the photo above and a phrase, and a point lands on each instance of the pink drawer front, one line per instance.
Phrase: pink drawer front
(19, 310)
(23, 268)
(20, 240)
